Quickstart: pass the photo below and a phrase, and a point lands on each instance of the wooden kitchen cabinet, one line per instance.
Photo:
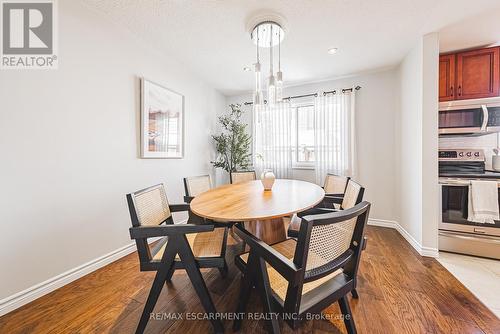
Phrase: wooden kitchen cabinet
(469, 75)
(478, 73)
(447, 77)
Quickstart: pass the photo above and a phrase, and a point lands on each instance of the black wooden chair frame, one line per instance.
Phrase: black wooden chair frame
(330, 199)
(328, 196)
(328, 202)
(188, 198)
(177, 243)
(336, 289)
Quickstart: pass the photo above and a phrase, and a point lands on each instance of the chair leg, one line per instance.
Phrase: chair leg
(198, 282)
(223, 271)
(243, 243)
(365, 242)
(247, 282)
(234, 235)
(346, 312)
(151, 302)
(154, 293)
(264, 288)
(354, 294)
(170, 273)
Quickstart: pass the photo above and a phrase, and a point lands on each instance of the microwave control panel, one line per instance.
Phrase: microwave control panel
(494, 116)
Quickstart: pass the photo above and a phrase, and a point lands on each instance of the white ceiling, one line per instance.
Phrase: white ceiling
(474, 31)
(210, 37)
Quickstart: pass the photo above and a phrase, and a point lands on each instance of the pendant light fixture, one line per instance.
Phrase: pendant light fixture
(258, 97)
(271, 87)
(268, 33)
(279, 75)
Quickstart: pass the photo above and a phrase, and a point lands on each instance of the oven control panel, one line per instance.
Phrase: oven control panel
(461, 155)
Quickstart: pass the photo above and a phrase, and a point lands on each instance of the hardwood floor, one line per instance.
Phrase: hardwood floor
(400, 292)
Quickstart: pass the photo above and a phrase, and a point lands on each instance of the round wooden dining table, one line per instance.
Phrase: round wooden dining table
(261, 210)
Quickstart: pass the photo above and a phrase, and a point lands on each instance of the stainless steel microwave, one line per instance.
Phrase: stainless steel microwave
(469, 117)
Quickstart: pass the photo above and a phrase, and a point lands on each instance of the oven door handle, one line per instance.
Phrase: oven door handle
(458, 183)
(485, 117)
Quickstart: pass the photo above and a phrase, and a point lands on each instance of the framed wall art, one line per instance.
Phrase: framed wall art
(162, 122)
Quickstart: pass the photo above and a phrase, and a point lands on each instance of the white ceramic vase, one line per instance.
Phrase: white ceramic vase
(267, 178)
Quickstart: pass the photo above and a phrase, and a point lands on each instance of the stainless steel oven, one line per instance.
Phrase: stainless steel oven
(457, 167)
(469, 117)
(456, 233)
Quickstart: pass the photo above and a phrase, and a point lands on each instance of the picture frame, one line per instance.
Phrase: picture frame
(162, 122)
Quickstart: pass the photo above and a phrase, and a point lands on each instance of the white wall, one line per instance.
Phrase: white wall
(376, 109)
(410, 143)
(70, 141)
(418, 142)
(430, 189)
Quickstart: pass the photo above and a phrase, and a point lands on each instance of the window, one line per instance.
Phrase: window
(303, 136)
(309, 134)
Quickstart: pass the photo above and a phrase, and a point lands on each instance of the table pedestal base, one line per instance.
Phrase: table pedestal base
(270, 230)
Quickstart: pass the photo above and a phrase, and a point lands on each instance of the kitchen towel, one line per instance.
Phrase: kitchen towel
(483, 202)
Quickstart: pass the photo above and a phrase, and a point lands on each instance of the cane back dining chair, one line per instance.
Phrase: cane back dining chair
(242, 176)
(195, 185)
(183, 246)
(339, 190)
(304, 276)
(353, 195)
(335, 185)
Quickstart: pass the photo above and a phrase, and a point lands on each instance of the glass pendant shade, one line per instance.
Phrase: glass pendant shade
(279, 86)
(271, 90)
(258, 97)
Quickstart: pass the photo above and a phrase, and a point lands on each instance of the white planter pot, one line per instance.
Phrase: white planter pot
(267, 178)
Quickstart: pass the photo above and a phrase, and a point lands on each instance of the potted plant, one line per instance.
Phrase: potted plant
(233, 143)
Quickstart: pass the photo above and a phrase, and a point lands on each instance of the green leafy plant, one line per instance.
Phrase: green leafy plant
(233, 143)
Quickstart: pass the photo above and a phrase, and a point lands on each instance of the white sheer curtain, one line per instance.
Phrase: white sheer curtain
(334, 138)
(273, 139)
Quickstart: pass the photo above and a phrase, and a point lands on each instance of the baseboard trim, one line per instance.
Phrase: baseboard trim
(382, 223)
(423, 251)
(21, 298)
(28, 295)
(411, 240)
(430, 252)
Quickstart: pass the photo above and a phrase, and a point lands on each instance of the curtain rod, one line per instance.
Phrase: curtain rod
(315, 94)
